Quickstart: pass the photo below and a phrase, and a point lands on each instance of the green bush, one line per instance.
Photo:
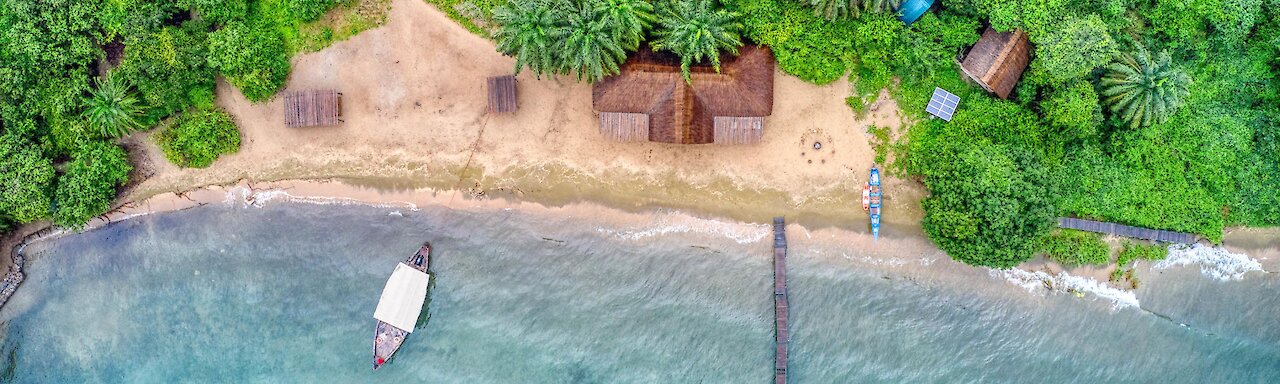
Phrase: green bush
(1073, 248)
(308, 10)
(26, 180)
(89, 184)
(1073, 50)
(1134, 251)
(252, 56)
(1073, 110)
(198, 137)
(219, 12)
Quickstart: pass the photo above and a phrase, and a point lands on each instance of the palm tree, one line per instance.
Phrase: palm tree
(529, 30)
(832, 9)
(696, 31)
(111, 109)
(591, 45)
(1143, 92)
(629, 18)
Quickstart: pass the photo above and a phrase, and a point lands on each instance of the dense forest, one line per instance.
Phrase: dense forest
(1154, 113)
(76, 76)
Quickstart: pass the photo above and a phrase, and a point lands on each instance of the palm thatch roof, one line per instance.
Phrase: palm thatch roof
(741, 95)
(997, 61)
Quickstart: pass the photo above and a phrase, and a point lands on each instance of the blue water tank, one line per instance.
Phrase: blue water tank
(911, 10)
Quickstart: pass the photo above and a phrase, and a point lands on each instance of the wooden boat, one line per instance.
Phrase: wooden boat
(874, 193)
(400, 305)
(866, 196)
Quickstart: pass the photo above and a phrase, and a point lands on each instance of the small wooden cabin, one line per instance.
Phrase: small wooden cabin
(650, 100)
(997, 61)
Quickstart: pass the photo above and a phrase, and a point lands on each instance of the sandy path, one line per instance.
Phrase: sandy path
(414, 111)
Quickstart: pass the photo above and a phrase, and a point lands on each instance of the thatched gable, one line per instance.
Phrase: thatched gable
(680, 113)
(997, 61)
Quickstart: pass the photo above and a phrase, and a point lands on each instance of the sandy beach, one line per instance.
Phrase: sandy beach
(414, 117)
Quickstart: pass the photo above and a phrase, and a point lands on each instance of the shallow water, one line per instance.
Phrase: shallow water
(285, 293)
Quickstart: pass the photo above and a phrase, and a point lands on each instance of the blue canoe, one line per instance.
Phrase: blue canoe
(874, 181)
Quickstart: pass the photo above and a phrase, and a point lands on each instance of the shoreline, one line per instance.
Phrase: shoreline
(901, 238)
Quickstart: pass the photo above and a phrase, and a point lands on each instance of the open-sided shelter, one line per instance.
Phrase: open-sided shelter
(997, 61)
(650, 100)
(312, 108)
(502, 94)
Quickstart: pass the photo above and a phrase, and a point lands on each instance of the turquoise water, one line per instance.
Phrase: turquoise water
(285, 293)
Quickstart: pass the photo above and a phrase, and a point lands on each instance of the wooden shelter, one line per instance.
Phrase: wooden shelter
(502, 94)
(312, 108)
(997, 61)
(650, 100)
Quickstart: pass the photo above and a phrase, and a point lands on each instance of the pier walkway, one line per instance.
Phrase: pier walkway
(1126, 231)
(780, 299)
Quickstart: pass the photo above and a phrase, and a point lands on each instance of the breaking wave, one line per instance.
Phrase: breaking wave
(675, 222)
(1215, 262)
(1064, 282)
(248, 197)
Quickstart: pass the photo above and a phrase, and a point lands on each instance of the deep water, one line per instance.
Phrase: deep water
(285, 293)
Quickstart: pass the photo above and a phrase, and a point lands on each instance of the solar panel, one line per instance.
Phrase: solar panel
(942, 104)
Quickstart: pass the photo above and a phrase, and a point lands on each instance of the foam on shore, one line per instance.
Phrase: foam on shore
(1034, 281)
(668, 222)
(1214, 262)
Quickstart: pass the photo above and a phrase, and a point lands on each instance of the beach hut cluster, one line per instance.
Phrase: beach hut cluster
(650, 101)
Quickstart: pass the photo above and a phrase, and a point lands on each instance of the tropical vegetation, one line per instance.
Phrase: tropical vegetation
(697, 31)
(76, 76)
(591, 38)
(1141, 91)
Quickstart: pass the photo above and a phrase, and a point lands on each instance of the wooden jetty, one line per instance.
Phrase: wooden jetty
(1126, 231)
(780, 309)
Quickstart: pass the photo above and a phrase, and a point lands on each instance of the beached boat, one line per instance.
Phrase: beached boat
(866, 196)
(874, 194)
(400, 305)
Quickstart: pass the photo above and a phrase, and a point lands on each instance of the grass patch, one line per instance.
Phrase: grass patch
(346, 19)
(1134, 251)
(879, 142)
(474, 15)
(1074, 248)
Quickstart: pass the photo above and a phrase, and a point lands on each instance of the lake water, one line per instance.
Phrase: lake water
(285, 293)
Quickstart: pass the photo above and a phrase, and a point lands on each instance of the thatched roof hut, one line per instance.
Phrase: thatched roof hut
(996, 62)
(649, 100)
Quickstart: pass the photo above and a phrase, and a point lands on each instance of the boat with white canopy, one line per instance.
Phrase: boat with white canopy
(400, 305)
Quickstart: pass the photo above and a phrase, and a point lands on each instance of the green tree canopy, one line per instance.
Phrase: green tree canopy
(591, 47)
(1141, 91)
(1072, 50)
(530, 31)
(1073, 110)
(26, 180)
(697, 30)
(89, 184)
(988, 207)
(252, 56)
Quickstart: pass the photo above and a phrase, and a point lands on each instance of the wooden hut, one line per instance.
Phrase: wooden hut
(649, 100)
(997, 61)
(502, 94)
(312, 108)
